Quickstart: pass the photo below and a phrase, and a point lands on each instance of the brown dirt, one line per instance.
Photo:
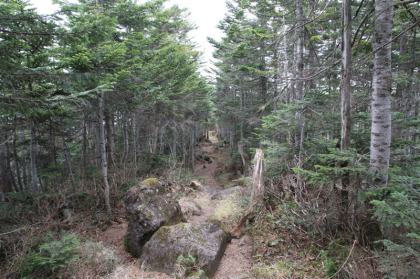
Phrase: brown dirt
(236, 261)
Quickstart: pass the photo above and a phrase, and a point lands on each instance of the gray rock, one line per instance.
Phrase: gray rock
(146, 212)
(189, 207)
(227, 192)
(206, 242)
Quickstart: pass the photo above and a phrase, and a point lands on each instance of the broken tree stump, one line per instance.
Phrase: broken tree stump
(257, 196)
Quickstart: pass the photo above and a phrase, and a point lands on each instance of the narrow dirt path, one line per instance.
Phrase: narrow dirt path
(236, 261)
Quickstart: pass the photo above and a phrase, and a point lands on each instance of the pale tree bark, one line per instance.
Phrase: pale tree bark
(104, 162)
(345, 92)
(299, 85)
(257, 195)
(381, 96)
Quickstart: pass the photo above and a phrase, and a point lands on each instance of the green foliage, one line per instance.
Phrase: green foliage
(185, 266)
(330, 266)
(50, 257)
(397, 207)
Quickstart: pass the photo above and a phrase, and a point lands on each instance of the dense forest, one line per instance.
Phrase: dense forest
(106, 93)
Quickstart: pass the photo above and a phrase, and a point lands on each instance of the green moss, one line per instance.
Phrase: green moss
(151, 181)
(286, 269)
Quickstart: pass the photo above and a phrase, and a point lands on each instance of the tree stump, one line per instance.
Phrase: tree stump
(257, 196)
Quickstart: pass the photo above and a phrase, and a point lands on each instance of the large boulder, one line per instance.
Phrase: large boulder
(146, 212)
(206, 242)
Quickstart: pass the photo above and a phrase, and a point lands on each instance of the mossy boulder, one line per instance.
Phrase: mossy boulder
(206, 242)
(146, 212)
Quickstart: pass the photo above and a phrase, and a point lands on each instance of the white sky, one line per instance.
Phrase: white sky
(205, 14)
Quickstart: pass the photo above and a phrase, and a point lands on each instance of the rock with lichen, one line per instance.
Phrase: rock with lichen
(190, 207)
(206, 242)
(146, 212)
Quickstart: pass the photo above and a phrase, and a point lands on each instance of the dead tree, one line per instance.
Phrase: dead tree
(257, 196)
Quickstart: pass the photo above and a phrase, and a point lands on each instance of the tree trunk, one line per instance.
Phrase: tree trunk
(299, 84)
(15, 157)
(192, 148)
(245, 158)
(68, 164)
(84, 149)
(33, 159)
(125, 140)
(345, 101)
(381, 97)
(410, 96)
(110, 147)
(345, 77)
(104, 163)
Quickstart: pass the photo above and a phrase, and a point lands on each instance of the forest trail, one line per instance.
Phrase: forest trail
(236, 261)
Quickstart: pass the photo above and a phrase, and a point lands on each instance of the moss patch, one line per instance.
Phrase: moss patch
(230, 209)
(151, 181)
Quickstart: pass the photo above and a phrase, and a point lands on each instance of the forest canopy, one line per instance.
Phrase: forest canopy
(103, 93)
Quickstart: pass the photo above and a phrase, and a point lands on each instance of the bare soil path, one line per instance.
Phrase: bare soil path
(236, 261)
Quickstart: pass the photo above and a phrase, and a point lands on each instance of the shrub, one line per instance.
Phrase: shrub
(50, 257)
(186, 266)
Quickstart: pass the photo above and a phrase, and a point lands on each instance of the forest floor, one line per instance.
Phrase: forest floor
(237, 259)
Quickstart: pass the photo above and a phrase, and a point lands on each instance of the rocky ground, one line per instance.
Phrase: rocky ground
(235, 263)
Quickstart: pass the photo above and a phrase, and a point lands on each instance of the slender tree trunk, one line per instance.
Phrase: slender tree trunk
(299, 85)
(241, 113)
(345, 91)
(125, 140)
(33, 159)
(97, 141)
(17, 167)
(110, 146)
(345, 77)
(68, 164)
(192, 148)
(410, 96)
(104, 162)
(135, 136)
(174, 143)
(381, 97)
(245, 158)
(84, 149)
